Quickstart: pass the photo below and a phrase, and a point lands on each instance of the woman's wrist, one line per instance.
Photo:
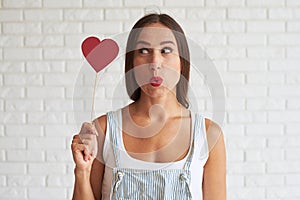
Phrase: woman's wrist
(82, 173)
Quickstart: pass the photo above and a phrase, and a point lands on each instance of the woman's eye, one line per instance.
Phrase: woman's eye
(143, 51)
(167, 50)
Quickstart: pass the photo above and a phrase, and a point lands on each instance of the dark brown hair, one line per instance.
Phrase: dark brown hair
(133, 90)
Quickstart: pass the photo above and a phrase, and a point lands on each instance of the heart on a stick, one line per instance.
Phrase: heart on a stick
(99, 53)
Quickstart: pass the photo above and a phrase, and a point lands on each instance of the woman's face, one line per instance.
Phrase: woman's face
(156, 60)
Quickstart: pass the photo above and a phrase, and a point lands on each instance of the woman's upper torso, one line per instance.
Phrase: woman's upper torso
(116, 157)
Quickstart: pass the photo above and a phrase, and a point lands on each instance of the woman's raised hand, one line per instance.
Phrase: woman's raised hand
(84, 147)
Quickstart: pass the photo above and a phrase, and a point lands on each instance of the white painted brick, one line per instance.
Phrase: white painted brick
(293, 26)
(46, 168)
(265, 2)
(60, 130)
(12, 193)
(46, 143)
(283, 141)
(61, 53)
(287, 91)
(25, 156)
(22, 54)
(85, 92)
(265, 180)
(264, 129)
(235, 155)
(12, 168)
(235, 104)
(290, 116)
(62, 4)
(8, 15)
(2, 158)
(265, 155)
(233, 129)
(26, 130)
(247, 65)
(204, 39)
(193, 26)
(247, 13)
(247, 39)
(24, 105)
(206, 13)
(284, 39)
(12, 143)
(62, 27)
(22, 3)
(265, 52)
(12, 118)
(43, 15)
(225, 3)
(55, 79)
(45, 66)
(286, 65)
(22, 79)
(11, 41)
(246, 193)
(11, 92)
(101, 4)
(292, 154)
(292, 3)
(63, 105)
(123, 14)
(246, 168)
(293, 129)
(60, 181)
(176, 13)
(265, 78)
(234, 180)
(293, 103)
(186, 3)
(293, 52)
(282, 13)
(143, 3)
(245, 117)
(265, 26)
(226, 52)
(25, 181)
(265, 104)
(48, 117)
(2, 181)
(44, 41)
(21, 28)
(74, 66)
(225, 26)
(246, 142)
(247, 91)
(103, 27)
(38, 92)
(283, 167)
(47, 193)
(59, 156)
(83, 14)
(292, 179)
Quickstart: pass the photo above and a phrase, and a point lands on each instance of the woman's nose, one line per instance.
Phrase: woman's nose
(155, 62)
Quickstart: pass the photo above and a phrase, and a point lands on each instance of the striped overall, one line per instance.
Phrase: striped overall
(139, 184)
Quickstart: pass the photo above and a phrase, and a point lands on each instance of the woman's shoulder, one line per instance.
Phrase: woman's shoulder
(214, 133)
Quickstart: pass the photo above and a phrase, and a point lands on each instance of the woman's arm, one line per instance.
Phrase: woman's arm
(214, 178)
(89, 171)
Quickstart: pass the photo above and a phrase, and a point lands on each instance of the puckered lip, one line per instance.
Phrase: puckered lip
(156, 81)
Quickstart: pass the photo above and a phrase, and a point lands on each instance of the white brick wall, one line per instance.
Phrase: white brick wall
(254, 43)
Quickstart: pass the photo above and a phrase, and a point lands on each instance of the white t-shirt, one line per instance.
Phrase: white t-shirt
(126, 161)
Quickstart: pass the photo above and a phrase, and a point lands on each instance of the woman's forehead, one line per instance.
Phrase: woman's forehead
(156, 32)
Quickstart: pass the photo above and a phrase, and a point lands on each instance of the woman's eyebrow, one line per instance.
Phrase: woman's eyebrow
(167, 42)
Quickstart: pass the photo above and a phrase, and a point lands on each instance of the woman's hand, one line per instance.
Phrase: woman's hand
(84, 147)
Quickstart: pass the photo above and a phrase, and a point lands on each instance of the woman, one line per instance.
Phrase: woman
(154, 148)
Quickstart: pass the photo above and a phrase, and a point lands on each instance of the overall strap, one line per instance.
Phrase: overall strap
(112, 124)
(195, 134)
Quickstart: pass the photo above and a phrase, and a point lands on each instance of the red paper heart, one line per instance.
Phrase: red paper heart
(99, 53)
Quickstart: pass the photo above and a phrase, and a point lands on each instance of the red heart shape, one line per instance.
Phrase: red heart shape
(99, 53)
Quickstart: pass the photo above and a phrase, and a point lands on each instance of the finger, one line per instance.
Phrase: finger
(88, 128)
